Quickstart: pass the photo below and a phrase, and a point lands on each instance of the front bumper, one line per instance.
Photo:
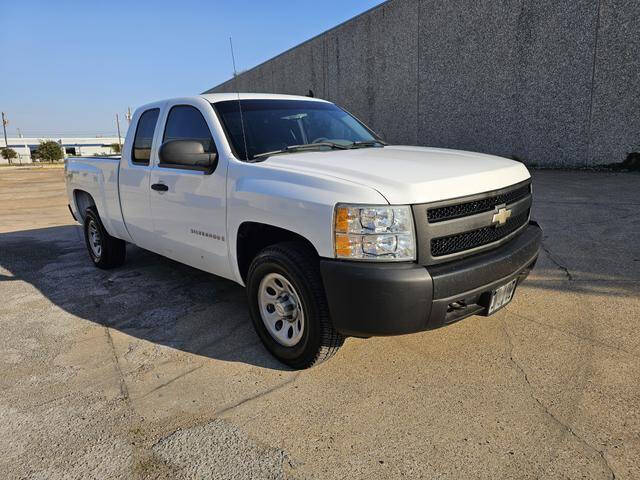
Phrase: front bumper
(373, 299)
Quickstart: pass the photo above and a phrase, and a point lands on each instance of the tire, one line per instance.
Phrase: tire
(298, 265)
(105, 251)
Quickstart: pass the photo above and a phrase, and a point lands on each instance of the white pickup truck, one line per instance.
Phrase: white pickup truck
(333, 232)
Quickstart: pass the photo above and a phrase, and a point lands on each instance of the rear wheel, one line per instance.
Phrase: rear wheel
(105, 251)
(288, 305)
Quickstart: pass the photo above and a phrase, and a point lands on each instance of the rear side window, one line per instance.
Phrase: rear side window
(187, 123)
(144, 136)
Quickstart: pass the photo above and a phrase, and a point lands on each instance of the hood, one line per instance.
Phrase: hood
(406, 175)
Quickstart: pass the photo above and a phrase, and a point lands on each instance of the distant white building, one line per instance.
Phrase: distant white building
(71, 146)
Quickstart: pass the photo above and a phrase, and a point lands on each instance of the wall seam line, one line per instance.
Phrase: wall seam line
(593, 79)
(418, 75)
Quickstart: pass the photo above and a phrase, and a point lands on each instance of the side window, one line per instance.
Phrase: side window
(187, 123)
(144, 136)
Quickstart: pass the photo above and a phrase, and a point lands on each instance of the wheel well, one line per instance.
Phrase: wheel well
(83, 200)
(253, 237)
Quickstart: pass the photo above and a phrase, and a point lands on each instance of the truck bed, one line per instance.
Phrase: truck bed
(98, 177)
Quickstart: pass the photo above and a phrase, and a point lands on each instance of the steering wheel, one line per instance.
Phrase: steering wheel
(320, 140)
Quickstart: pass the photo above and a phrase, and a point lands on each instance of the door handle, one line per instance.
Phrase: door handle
(159, 187)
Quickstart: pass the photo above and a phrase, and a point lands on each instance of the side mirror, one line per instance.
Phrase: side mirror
(187, 154)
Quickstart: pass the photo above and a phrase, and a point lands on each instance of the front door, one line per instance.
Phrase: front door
(188, 207)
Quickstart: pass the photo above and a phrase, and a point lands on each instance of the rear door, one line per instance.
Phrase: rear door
(133, 178)
(189, 210)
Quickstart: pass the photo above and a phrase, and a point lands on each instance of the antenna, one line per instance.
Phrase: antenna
(235, 76)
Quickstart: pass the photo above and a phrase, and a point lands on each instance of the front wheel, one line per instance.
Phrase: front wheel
(288, 306)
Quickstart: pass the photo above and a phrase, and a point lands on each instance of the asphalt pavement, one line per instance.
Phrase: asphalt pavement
(153, 370)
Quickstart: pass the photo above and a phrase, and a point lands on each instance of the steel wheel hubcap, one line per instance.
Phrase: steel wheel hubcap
(95, 239)
(281, 309)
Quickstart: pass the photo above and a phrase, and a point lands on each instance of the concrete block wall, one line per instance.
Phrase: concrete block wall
(550, 82)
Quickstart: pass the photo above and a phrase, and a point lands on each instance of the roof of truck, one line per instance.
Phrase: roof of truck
(221, 97)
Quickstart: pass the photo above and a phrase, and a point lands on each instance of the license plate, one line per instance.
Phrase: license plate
(501, 296)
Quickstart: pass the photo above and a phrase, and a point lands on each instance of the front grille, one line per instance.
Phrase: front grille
(448, 212)
(475, 238)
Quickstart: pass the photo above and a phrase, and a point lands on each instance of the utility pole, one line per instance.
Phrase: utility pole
(119, 138)
(128, 115)
(5, 122)
(25, 145)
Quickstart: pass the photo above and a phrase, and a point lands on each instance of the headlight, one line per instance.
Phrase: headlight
(373, 232)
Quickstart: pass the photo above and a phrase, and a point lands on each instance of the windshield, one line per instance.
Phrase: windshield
(275, 125)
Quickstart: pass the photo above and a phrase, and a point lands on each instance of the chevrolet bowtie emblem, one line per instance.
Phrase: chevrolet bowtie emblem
(501, 216)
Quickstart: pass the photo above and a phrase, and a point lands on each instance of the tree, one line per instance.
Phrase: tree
(115, 147)
(49, 151)
(8, 154)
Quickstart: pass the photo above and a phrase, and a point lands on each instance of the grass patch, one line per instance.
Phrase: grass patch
(33, 165)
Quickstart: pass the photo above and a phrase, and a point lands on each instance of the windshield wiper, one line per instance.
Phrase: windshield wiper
(367, 143)
(302, 148)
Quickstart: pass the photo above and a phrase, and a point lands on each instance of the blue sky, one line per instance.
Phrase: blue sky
(66, 68)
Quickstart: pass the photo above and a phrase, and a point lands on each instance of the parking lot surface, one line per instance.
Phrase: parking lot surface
(153, 370)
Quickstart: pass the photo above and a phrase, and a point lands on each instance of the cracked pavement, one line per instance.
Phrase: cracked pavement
(154, 371)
